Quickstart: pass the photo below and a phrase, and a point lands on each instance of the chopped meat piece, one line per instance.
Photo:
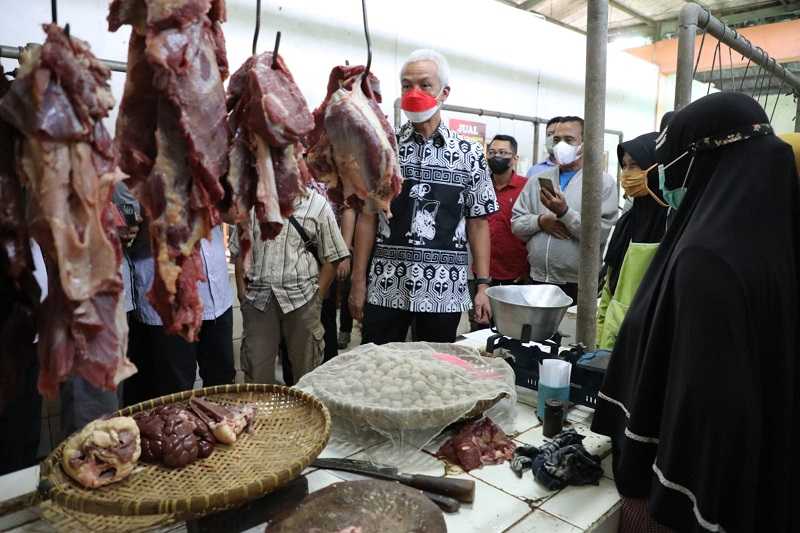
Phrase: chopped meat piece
(226, 422)
(172, 129)
(478, 443)
(67, 163)
(19, 293)
(103, 452)
(269, 117)
(353, 146)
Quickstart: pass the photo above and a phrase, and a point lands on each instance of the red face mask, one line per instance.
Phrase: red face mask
(418, 105)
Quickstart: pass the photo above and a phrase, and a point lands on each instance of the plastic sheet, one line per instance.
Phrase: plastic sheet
(407, 393)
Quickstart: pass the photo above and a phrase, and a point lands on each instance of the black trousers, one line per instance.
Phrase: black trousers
(328, 320)
(21, 417)
(383, 324)
(168, 363)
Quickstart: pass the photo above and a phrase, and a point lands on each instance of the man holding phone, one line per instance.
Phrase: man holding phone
(550, 162)
(547, 214)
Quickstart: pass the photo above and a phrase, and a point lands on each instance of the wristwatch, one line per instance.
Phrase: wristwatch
(483, 281)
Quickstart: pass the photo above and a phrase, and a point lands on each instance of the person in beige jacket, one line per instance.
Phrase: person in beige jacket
(550, 221)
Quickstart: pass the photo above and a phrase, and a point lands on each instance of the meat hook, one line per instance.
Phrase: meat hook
(258, 25)
(54, 11)
(369, 42)
(275, 50)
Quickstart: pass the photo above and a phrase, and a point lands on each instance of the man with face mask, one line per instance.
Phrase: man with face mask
(550, 222)
(418, 270)
(550, 162)
(509, 262)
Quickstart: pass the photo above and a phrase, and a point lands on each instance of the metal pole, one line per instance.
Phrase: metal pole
(594, 115)
(535, 158)
(12, 52)
(687, 31)
(797, 115)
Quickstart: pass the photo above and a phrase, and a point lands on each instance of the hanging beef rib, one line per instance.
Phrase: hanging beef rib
(173, 134)
(269, 117)
(67, 163)
(352, 147)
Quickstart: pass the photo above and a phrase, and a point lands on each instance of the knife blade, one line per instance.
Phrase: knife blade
(462, 490)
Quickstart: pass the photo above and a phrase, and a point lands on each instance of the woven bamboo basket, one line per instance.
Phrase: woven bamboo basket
(290, 431)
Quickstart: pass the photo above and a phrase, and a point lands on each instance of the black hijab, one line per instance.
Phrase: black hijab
(701, 393)
(645, 221)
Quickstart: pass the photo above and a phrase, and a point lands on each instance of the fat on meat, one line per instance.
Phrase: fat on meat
(19, 292)
(68, 166)
(353, 148)
(269, 117)
(173, 134)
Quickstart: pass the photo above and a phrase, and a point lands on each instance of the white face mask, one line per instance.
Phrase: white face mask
(565, 153)
(548, 144)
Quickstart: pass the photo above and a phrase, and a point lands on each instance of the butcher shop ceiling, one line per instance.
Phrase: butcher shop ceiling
(658, 19)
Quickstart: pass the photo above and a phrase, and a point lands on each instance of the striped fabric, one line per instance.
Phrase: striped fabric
(283, 267)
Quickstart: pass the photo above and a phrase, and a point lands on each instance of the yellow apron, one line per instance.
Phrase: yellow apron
(613, 307)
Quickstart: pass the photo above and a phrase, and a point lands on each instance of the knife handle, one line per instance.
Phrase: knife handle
(462, 490)
(445, 503)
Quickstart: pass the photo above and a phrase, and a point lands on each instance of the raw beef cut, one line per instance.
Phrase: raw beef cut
(173, 135)
(68, 166)
(19, 293)
(479, 443)
(353, 147)
(269, 117)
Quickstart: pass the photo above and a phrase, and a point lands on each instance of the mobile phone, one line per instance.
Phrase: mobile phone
(547, 184)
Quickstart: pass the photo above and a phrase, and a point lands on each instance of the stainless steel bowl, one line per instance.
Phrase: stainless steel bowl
(542, 307)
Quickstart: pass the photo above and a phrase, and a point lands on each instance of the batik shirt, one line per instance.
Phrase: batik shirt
(420, 259)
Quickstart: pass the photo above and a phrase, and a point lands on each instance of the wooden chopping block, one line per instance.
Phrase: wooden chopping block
(367, 506)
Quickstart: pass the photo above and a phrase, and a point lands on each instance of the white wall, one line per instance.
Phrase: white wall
(501, 58)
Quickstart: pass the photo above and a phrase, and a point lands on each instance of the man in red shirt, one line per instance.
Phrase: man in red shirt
(509, 256)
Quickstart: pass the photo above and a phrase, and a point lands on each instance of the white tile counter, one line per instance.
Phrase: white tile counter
(503, 502)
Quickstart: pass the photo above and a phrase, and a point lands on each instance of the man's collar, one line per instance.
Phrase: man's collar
(439, 136)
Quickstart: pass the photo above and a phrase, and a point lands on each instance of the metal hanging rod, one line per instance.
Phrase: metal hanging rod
(13, 52)
(694, 17)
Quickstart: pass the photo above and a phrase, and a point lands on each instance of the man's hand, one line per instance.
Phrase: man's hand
(358, 294)
(550, 224)
(127, 234)
(483, 311)
(343, 269)
(554, 202)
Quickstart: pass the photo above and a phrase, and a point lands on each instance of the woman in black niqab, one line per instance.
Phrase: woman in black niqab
(701, 396)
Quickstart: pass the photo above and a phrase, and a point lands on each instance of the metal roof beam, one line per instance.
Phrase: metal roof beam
(628, 11)
(528, 5)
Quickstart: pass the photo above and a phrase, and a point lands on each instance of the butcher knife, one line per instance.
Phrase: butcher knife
(461, 489)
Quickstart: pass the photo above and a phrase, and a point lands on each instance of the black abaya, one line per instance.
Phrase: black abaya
(701, 393)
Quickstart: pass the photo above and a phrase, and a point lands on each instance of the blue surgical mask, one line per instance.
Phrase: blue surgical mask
(674, 197)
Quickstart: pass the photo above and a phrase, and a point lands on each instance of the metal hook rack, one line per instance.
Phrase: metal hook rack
(369, 41)
(257, 28)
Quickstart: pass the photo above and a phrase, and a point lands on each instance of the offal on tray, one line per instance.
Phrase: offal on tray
(177, 436)
(103, 452)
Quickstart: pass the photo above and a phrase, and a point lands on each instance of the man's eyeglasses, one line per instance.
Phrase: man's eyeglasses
(501, 153)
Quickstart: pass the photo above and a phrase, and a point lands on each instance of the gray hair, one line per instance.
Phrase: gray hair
(426, 54)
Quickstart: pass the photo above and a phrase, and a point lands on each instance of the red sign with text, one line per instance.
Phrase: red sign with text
(467, 129)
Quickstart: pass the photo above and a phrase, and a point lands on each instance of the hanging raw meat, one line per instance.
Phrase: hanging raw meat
(19, 293)
(173, 137)
(269, 117)
(68, 166)
(353, 148)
